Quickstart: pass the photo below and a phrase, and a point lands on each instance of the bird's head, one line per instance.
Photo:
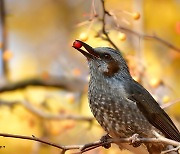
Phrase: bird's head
(103, 60)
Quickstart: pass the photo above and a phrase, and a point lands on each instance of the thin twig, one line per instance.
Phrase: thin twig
(170, 150)
(153, 37)
(3, 36)
(145, 36)
(32, 138)
(104, 26)
(164, 106)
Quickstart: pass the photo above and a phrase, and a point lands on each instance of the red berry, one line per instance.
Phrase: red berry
(77, 44)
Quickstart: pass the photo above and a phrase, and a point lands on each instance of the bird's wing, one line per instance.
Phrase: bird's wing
(152, 111)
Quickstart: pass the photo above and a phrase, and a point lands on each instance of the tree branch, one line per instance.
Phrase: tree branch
(153, 37)
(3, 36)
(73, 84)
(164, 106)
(144, 36)
(45, 115)
(90, 146)
(104, 26)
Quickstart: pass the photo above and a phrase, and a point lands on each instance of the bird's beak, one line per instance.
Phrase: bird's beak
(90, 54)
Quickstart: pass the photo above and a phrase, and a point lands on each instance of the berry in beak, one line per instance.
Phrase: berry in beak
(89, 53)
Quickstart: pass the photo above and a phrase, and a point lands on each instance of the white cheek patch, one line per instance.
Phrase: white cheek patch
(108, 69)
(103, 68)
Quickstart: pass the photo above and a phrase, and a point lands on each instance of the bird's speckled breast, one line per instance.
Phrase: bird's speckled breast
(118, 116)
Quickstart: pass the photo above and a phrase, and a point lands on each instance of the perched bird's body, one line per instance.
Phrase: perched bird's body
(120, 104)
(119, 116)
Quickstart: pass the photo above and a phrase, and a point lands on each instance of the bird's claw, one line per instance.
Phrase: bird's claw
(134, 140)
(104, 140)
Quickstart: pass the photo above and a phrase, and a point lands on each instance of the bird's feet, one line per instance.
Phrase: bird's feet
(104, 140)
(134, 140)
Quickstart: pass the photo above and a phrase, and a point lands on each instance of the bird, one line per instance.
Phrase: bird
(121, 105)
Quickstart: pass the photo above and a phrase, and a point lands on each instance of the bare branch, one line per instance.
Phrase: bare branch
(164, 106)
(144, 36)
(104, 26)
(153, 37)
(90, 146)
(170, 150)
(45, 115)
(3, 36)
(73, 84)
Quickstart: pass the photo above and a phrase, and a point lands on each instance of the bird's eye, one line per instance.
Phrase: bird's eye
(107, 56)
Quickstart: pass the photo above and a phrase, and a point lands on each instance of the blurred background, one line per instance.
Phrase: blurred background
(44, 81)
